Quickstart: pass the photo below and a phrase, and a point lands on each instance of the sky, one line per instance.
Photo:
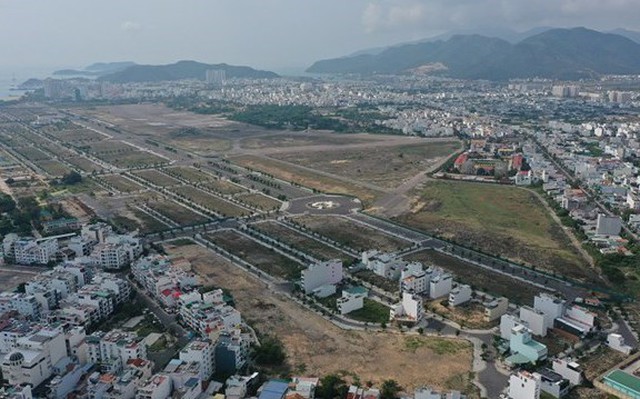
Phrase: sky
(268, 34)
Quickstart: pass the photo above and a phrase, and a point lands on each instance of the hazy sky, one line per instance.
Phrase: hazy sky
(264, 33)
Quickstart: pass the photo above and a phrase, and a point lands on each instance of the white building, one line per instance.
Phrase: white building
(551, 306)
(414, 278)
(608, 225)
(524, 385)
(569, 370)
(411, 308)
(33, 358)
(507, 323)
(383, 264)
(351, 299)
(459, 295)
(440, 285)
(494, 309)
(202, 352)
(159, 386)
(29, 251)
(616, 342)
(534, 319)
(320, 274)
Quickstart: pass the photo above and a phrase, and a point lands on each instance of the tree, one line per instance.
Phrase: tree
(7, 204)
(71, 178)
(390, 389)
(270, 352)
(331, 387)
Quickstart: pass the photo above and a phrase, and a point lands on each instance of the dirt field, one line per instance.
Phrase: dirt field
(502, 220)
(301, 242)
(351, 234)
(324, 348)
(386, 167)
(10, 279)
(307, 178)
(470, 315)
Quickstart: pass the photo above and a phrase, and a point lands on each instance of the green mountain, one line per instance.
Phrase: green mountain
(182, 70)
(556, 53)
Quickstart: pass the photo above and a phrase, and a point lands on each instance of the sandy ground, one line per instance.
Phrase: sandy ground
(10, 279)
(319, 345)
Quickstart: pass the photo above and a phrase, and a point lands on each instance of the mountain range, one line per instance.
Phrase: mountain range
(548, 53)
(97, 69)
(181, 70)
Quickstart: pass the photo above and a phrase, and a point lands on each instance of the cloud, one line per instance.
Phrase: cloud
(387, 17)
(131, 26)
(422, 15)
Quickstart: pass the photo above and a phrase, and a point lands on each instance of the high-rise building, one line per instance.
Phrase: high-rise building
(216, 77)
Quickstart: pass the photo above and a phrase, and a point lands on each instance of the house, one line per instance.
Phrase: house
(352, 299)
(321, 274)
(507, 323)
(411, 308)
(551, 307)
(440, 285)
(523, 348)
(459, 295)
(617, 343)
(273, 389)
(525, 385)
(569, 370)
(534, 319)
(553, 383)
(383, 264)
(494, 309)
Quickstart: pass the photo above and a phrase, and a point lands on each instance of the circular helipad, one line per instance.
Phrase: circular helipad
(323, 204)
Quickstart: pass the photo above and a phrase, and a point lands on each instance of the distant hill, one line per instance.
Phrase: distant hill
(97, 69)
(182, 70)
(629, 34)
(555, 53)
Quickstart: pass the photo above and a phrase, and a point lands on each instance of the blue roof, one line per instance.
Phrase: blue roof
(274, 390)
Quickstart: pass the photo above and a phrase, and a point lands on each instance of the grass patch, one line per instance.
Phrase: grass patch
(383, 166)
(501, 220)
(371, 312)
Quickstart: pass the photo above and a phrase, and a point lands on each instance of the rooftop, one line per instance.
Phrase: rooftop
(625, 379)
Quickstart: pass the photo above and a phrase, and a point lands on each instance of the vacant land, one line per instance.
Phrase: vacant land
(190, 174)
(211, 202)
(386, 167)
(264, 258)
(139, 220)
(324, 348)
(157, 178)
(470, 315)
(121, 183)
(223, 187)
(84, 164)
(351, 234)
(259, 201)
(177, 213)
(307, 178)
(301, 242)
(502, 220)
(303, 139)
(371, 312)
(53, 168)
(479, 278)
(11, 278)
